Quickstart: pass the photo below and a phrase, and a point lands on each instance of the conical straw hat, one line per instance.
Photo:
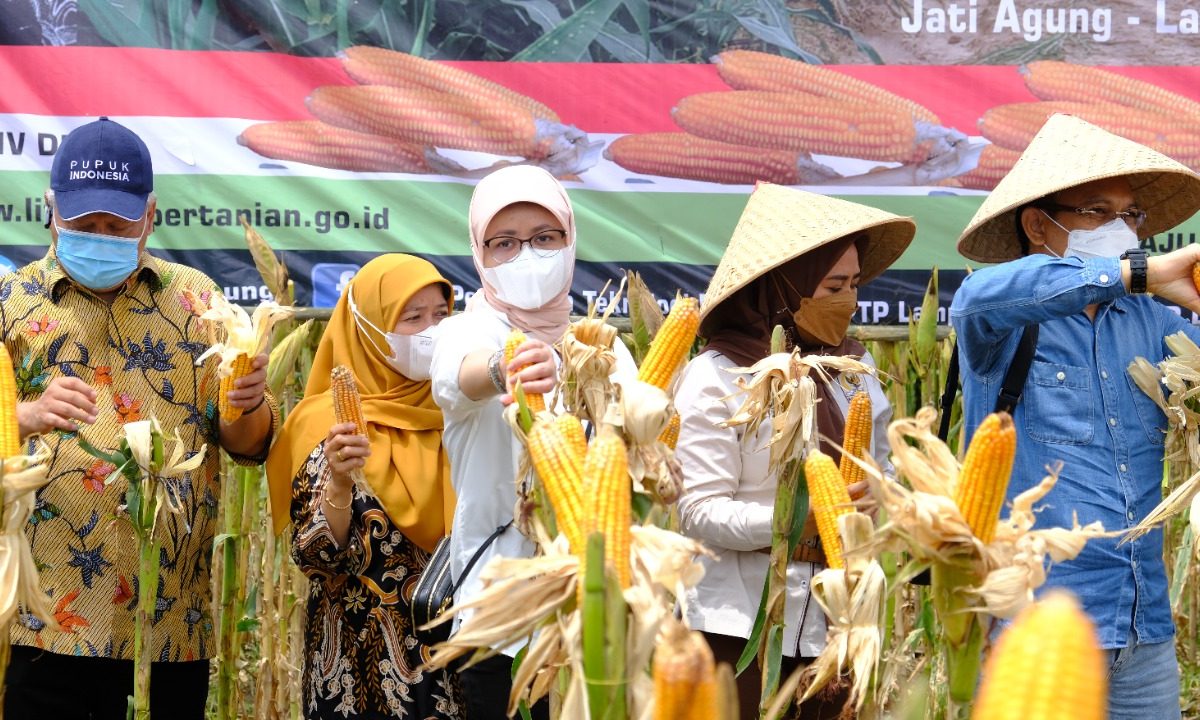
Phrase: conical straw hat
(1068, 152)
(780, 224)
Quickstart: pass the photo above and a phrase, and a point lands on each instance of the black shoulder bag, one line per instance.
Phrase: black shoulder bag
(435, 589)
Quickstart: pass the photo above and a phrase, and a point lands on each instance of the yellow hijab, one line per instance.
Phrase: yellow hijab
(407, 468)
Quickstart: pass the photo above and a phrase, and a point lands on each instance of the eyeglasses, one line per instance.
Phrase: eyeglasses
(505, 248)
(1098, 215)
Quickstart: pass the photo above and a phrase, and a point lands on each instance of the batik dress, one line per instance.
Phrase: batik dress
(361, 657)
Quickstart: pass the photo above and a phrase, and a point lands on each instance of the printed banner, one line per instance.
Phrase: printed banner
(342, 130)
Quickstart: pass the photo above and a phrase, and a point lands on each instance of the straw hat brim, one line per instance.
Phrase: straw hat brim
(1066, 153)
(748, 258)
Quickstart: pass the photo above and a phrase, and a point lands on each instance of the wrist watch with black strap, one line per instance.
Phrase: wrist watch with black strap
(1137, 270)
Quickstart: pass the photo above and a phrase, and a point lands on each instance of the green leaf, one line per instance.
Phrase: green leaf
(760, 620)
(114, 458)
(570, 40)
(247, 624)
(774, 665)
(118, 25)
(772, 25)
(1179, 573)
(542, 13)
(593, 617)
(626, 47)
(219, 539)
(203, 26)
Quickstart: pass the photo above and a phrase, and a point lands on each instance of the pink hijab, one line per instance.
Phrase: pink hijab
(515, 184)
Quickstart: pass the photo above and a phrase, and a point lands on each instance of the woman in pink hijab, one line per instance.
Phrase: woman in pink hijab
(523, 242)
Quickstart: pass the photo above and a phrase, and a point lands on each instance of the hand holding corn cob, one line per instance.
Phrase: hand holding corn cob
(243, 350)
(347, 410)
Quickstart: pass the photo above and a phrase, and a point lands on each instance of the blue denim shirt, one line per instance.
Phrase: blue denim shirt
(1079, 406)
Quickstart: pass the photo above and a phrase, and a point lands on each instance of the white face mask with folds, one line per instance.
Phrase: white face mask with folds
(530, 280)
(1109, 240)
(411, 355)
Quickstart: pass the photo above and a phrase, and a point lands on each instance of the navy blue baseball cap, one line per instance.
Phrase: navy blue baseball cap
(102, 167)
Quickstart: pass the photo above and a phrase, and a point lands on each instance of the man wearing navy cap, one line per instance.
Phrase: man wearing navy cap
(102, 334)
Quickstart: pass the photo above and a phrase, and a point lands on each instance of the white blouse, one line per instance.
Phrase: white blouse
(482, 449)
(728, 500)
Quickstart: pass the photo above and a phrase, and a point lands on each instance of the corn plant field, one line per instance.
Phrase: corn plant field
(260, 595)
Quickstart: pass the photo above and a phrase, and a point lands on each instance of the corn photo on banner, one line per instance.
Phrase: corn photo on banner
(331, 138)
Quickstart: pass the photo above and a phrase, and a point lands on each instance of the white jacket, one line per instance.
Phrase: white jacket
(728, 501)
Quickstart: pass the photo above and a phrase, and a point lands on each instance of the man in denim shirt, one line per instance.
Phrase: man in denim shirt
(1060, 223)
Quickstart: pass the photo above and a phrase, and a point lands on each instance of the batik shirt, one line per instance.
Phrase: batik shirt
(139, 354)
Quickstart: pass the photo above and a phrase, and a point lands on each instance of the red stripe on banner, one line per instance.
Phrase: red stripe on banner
(597, 97)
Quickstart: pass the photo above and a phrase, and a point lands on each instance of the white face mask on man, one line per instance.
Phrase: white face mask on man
(411, 355)
(1109, 240)
(530, 280)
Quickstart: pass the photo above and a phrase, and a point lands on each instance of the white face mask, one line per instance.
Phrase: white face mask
(529, 280)
(1109, 240)
(411, 355)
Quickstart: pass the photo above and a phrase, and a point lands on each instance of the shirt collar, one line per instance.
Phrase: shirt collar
(58, 282)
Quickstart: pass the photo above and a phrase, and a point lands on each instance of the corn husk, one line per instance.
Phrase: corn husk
(244, 334)
(1179, 374)
(524, 598)
(587, 362)
(21, 477)
(853, 600)
(781, 389)
(642, 411)
(925, 522)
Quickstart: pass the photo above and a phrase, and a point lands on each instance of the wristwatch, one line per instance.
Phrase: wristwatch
(1137, 269)
(493, 367)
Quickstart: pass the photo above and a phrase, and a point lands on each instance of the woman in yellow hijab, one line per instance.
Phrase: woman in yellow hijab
(363, 553)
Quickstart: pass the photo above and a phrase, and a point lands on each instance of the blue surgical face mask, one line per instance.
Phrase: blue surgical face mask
(94, 260)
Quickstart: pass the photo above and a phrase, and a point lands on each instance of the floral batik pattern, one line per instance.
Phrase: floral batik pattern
(361, 658)
(138, 353)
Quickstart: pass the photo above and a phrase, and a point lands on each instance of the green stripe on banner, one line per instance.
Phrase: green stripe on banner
(429, 217)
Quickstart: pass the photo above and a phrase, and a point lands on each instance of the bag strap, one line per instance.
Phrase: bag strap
(478, 554)
(1010, 389)
(948, 394)
(1014, 379)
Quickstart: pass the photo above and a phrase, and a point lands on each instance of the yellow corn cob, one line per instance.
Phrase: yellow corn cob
(1047, 665)
(572, 430)
(857, 436)
(829, 499)
(314, 143)
(1014, 125)
(241, 368)
(379, 66)
(670, 435)
(431, 118)
(536, 403)
(801, 123)
(560, 469)
(681, 155)
(750, 70)
(347, 404)
(1196, 276)
(994, 163)
(983, 481)
(608, 488)
(671, 343)
(1056, 80)
(685, 680)
(10, 432)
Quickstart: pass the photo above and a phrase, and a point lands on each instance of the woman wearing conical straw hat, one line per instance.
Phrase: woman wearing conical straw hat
(796, 259)
(522, 230)
(361, 552)
(1066, 226)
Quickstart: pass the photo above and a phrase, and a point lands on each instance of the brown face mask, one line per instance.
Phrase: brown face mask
(824, 321)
